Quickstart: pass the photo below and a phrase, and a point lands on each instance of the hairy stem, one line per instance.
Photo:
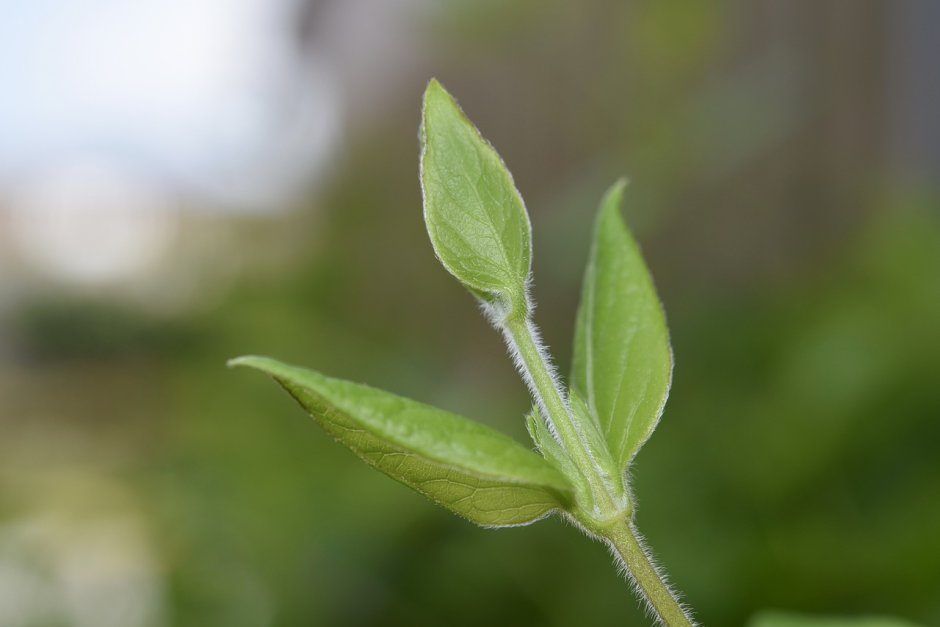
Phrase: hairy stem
(608, 518)
(624, 541)
(536, 368)
(535, 364)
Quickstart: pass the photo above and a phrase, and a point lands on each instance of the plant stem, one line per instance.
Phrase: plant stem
(543, 383)
(624, 541)
(534, 362)
(608, 519)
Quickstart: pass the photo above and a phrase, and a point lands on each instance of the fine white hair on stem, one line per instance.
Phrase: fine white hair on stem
(497, 313)
(527, 375)
(628, 574)
(630, 552)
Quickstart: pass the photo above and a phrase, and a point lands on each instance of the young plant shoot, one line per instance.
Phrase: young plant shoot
(586, 436)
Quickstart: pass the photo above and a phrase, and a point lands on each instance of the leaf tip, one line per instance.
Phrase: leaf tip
(435, 90)
(614, 195)
(439, 106)
(249, 361)
(435, 94)
(433, 84)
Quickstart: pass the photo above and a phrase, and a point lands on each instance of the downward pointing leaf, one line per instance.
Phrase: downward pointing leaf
(622, 357)
(470, 469)
(475, 216)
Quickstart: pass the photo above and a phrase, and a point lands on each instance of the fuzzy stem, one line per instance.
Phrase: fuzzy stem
(624, 541)
(608, 519)
(522, 337)
(535, 364)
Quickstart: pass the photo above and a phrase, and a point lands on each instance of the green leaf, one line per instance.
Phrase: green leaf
(788, 619)
(470, 469)
(604, 463)
(548, 446)
(474, 214)
(622, 357)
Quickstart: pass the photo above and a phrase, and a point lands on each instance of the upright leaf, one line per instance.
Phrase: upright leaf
(622, 357)
(470, 469)
(475, 216)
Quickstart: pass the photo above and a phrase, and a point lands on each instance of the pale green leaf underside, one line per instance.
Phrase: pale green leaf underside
(475, 216)
(622, 356)
(470, 469)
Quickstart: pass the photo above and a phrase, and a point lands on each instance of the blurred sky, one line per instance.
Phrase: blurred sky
(116, 114)
(198, 95)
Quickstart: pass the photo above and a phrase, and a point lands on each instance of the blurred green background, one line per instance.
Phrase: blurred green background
(784, 160)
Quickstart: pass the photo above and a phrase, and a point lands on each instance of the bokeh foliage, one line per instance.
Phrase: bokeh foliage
(796, 464)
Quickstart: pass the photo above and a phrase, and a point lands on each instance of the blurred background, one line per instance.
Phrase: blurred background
(184, 181)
